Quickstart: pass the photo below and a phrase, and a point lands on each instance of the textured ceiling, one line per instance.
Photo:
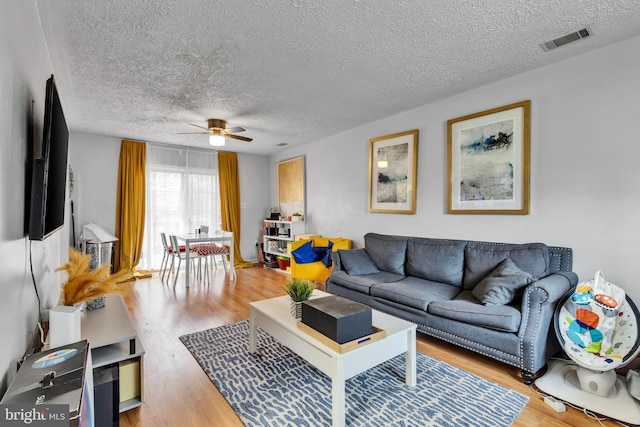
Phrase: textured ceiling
(295, 71)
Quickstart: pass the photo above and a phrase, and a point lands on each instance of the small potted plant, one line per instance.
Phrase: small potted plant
(298, 291)
(296, 216)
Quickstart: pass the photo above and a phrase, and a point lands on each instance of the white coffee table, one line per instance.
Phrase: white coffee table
(273, 316)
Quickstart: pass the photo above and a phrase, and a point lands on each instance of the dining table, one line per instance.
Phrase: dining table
(226, 238)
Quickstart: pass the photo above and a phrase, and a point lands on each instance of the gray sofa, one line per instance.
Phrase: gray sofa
(496, 299)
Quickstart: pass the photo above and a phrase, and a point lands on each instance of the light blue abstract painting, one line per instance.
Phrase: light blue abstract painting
(487, 161)
(392, 180)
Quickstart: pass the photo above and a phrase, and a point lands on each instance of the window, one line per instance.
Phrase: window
(182, 195)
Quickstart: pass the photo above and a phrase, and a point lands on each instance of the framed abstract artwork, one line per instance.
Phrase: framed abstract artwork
(392, 173)
(488, 161)
(290, 186)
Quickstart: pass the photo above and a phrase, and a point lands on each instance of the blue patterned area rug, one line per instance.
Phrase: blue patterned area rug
(275, 387)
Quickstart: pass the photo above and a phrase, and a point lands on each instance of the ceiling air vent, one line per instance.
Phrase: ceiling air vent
(569, 38)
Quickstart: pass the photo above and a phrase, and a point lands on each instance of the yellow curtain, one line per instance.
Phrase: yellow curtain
(230, 202)
(130, 206)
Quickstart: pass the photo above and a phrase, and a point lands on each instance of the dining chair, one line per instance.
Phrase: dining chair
(222, 250)
(166, 255)
(180, 254)
(226, 248)
(214, 250)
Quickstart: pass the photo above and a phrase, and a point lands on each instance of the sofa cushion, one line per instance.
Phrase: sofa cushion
(465, 308)
(356, 262)
(502, 284)
(482, 258)
(388, 253)
(414, 292)
(363, 283)
(436, 259)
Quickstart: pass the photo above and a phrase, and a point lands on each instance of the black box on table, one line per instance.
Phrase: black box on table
(338, 318)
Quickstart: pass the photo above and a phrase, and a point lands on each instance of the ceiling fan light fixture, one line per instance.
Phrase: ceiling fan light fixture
(216, 140)
(218, 132)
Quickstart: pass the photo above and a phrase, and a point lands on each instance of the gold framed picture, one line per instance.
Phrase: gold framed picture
(392, 173)
(488, 161)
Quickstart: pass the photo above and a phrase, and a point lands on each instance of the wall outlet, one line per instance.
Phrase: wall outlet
(243, 206)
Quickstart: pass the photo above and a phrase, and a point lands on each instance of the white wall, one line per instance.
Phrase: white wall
(94, 160)
(25, 67)
(584, 166)
(253, 193)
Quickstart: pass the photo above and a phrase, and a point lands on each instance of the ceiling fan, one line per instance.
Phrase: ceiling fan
(217, 130)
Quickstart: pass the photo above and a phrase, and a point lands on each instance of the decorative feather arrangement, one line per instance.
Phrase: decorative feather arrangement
(83, 285)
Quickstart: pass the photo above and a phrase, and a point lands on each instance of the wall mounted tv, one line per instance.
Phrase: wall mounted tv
(49, 170)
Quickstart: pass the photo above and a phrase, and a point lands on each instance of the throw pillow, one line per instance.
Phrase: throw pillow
(323, 253)
(357, 262)
(305, 254)
(502, 284)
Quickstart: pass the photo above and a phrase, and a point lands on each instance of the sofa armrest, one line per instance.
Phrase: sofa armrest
(337, 265)
(549, 289)
(538, 306)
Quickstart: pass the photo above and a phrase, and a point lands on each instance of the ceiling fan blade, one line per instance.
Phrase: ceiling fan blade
(198, 126)
(241, 138)
(235, 129)
(194, 133)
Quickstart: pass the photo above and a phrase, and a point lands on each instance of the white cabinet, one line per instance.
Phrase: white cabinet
(114, 341)
(278, 233)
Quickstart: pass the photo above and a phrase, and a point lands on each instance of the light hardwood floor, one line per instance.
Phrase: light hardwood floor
(178, 393)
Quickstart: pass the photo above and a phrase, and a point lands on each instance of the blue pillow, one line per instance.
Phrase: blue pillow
(305, 254)
(323, 253)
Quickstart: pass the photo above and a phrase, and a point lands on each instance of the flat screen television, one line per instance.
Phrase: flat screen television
(49, 170)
